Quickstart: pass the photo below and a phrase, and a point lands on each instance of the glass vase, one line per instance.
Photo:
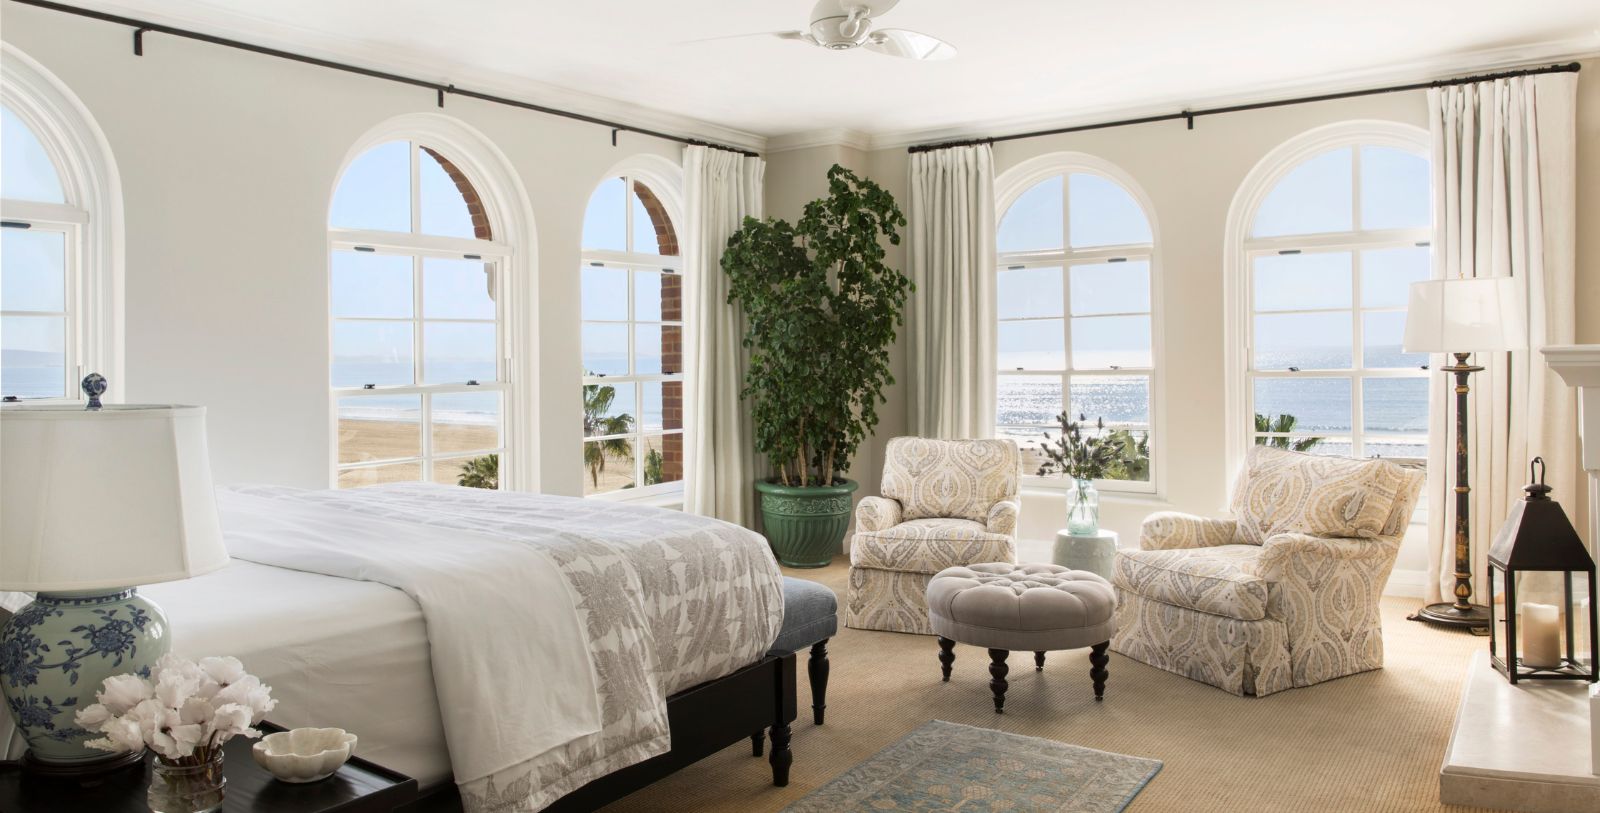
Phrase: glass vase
(196, 788)
(1083, 508)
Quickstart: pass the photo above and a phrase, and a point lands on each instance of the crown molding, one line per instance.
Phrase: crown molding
(410, 62)
(1417, 71)
(832, 137)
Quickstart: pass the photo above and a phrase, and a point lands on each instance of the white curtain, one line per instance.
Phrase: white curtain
(950, 319)
(1504, 194)
(721, 189)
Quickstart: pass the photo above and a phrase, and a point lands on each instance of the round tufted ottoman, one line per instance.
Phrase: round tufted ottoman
(1038, 608)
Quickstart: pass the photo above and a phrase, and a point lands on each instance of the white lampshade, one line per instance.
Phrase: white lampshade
(112, 498)
(1465, 316)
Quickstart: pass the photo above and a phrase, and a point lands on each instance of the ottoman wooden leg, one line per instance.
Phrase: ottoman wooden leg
(1038, 661)
(947, 656)
(997, 673)
(1097, 668)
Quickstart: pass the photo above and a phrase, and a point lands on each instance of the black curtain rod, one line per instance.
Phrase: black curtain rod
(1190, 115)
(141, 27)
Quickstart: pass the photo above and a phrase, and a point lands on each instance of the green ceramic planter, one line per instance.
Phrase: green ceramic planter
(806, 525)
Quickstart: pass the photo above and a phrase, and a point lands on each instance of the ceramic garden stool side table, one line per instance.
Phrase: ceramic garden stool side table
(1028, 607)
(1094, 552)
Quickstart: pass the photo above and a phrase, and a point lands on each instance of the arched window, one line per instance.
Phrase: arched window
(1326, 235)
(1074, 310)
(421, 365)
(632, 341)
(60, 245)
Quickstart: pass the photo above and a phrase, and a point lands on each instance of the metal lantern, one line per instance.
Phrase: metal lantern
(1542, 641)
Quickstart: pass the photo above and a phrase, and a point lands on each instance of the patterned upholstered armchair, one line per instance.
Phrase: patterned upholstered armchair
(1284, 595)
(945, 503)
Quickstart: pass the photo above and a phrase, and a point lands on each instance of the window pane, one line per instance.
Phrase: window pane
(607, 465)
(1303, 404)
(1309, 341)
(1417, 449)
(471, 471)
(647, 349)
(379, 427)
(1101, 342)
(1103, 213)
(1387, 274)
(605, 293)
(465, 421)
(1034, 221)
(1028, 400)
(1394, 405)
(1302, 281)
(1034, 345)
(375, 192)
(1311, 444)
(605, 349)
(1111, 288)
(608, 409)
(1314, 197)
(1380, 336)
(33, 357)
(33, 270)
(1123, 402)
(644, 228)
(1028, 292)
(455, 353)
(26, 171)
(1395, 190)
(377, 475)
(456, 289)
(647, 296)
(604, 222)
(663, 459)
(372, 285)
(380, 353)
(1028, 439)
(445, 208)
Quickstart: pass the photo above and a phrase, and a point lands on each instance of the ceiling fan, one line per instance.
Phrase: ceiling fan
(843, 25)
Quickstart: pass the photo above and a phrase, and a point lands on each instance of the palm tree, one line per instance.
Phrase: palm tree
(1284, 424)
(481, 472)
(596, 403)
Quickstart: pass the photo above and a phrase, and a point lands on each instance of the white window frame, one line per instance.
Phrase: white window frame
(90, 220)
(664, 184)
(510, 254)
(1009, 187)
(1242, 251)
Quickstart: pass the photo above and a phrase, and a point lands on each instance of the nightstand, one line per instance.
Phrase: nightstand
(358, 787)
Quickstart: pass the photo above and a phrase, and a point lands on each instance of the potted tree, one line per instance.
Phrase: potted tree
(822, 308)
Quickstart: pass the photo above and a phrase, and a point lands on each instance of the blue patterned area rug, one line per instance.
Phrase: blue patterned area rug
(945, 766)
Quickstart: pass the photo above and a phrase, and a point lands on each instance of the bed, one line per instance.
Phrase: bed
(578, 649)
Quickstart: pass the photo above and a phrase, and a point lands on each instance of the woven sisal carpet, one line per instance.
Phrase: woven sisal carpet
(1369, 742)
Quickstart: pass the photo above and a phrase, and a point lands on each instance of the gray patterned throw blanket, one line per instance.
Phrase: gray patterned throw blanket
(661, 601)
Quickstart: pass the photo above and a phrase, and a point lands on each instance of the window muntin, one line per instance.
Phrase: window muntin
(1074, 313)
(631, 343)
(1334, 245)
(419, 366)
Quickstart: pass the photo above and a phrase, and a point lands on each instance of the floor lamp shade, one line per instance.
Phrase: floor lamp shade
(1465, 316)
(108, 498)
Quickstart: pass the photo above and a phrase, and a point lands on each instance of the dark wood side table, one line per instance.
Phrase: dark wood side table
(358, 787)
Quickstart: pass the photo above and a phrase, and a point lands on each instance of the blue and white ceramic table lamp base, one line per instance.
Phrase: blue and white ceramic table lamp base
(113, 497)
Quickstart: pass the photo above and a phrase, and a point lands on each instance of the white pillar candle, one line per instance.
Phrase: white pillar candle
(1541, 635)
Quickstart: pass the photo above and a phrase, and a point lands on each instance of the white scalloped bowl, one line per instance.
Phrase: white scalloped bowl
(304, 754)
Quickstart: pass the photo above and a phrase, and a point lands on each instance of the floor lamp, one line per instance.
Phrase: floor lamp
(1461, 317)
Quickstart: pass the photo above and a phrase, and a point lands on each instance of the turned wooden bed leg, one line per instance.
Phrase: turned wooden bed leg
(997, 673)
(947, 656)
(758, 742)
(1038, 661)
(781, 757)
(817, 669)
(1097, 668)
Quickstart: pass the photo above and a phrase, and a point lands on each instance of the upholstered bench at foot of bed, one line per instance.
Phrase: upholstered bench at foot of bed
(810, 618)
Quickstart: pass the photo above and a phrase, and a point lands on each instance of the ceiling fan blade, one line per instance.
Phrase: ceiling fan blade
(787, 35)
(909, 44)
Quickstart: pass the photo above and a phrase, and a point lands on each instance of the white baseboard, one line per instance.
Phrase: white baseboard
(1406, 583)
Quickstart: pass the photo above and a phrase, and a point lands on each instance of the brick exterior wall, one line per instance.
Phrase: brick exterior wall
(480, 218)
(671, 336)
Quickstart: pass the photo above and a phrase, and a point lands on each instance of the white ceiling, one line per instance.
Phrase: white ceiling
(1020, 61)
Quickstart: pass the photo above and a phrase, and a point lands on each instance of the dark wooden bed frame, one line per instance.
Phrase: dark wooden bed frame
(703, 720)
